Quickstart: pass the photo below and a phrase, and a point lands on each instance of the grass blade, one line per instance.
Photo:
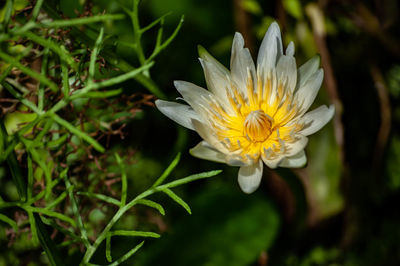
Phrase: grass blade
(177, 199)
(47, 243)
(9, 221)
(152, 204)
(167, 171)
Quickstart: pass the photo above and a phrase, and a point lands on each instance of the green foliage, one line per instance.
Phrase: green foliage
(51, 139)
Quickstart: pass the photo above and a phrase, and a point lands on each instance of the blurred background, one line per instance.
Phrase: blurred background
(341, 209)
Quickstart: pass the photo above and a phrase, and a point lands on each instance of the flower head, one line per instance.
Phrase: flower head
(253, 115)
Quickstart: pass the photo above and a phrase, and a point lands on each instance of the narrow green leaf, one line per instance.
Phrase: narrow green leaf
(57, 142)
(188, 179)
(75, 208)
(77, 132)
(103, 94)
(65, 80)
(15, 169)
(55, 202)
(36, 9)
(108, 248)
(50, 213)
(133, 233)
(123, 179)
(63, 230)
(100, 197)
(55, 47)
(152, 204)
(34, 230)
(155, 22)
(164, 45)
(47, 243)
(127, 255)
(167, 171)
(8, 13)
(94, 54)
(80, 21)
(30, 178)
(23, 100)
(11, 60)
(9, 221)
(112, 81)
(177, 199)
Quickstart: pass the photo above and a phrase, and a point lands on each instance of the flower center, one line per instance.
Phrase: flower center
(257, 126)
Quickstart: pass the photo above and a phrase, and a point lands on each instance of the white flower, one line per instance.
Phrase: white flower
(251, 114)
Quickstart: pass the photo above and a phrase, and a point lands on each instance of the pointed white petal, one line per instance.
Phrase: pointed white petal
(206, 56)
(249, 177)
(316, 119)
(180, 113)
(307, 93)
(295, 161)
(197, 97)
(290, 49)
(207, 133)
(271, 49)
(203, 150)
(241, 61)
(286, 71)
(217, 82)
(306, 70)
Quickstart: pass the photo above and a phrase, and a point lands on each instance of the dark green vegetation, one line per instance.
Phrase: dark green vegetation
(84, 153)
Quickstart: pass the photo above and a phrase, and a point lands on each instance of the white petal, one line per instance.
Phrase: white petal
(271, 49)
(197, 97)
(203, 150)
(249, 177)
(291, 149)
(273, 163)
(241, 61)
(295, 161)
(316, 119)
(290, 49)
(296, 146)
(307, 69)
(180, 113)
(217, 82)
(286, 71)
(207, 133)
(206, 56)
(307, 93)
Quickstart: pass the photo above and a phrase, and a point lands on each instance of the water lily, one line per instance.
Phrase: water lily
(253, 114)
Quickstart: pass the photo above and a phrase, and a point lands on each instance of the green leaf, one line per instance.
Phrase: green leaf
(15, 168)
(127, 255)
(294, 8)
(100, 197)
(251, 6)
(133, 233)
(9, 221)
(167, 171)
(81, 21)
(77, 132)
(124, 180)
(47, 244)
(152, 204)
(75, 208)
(177, 199)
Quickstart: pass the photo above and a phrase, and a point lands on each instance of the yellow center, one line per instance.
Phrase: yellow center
(257, 126)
